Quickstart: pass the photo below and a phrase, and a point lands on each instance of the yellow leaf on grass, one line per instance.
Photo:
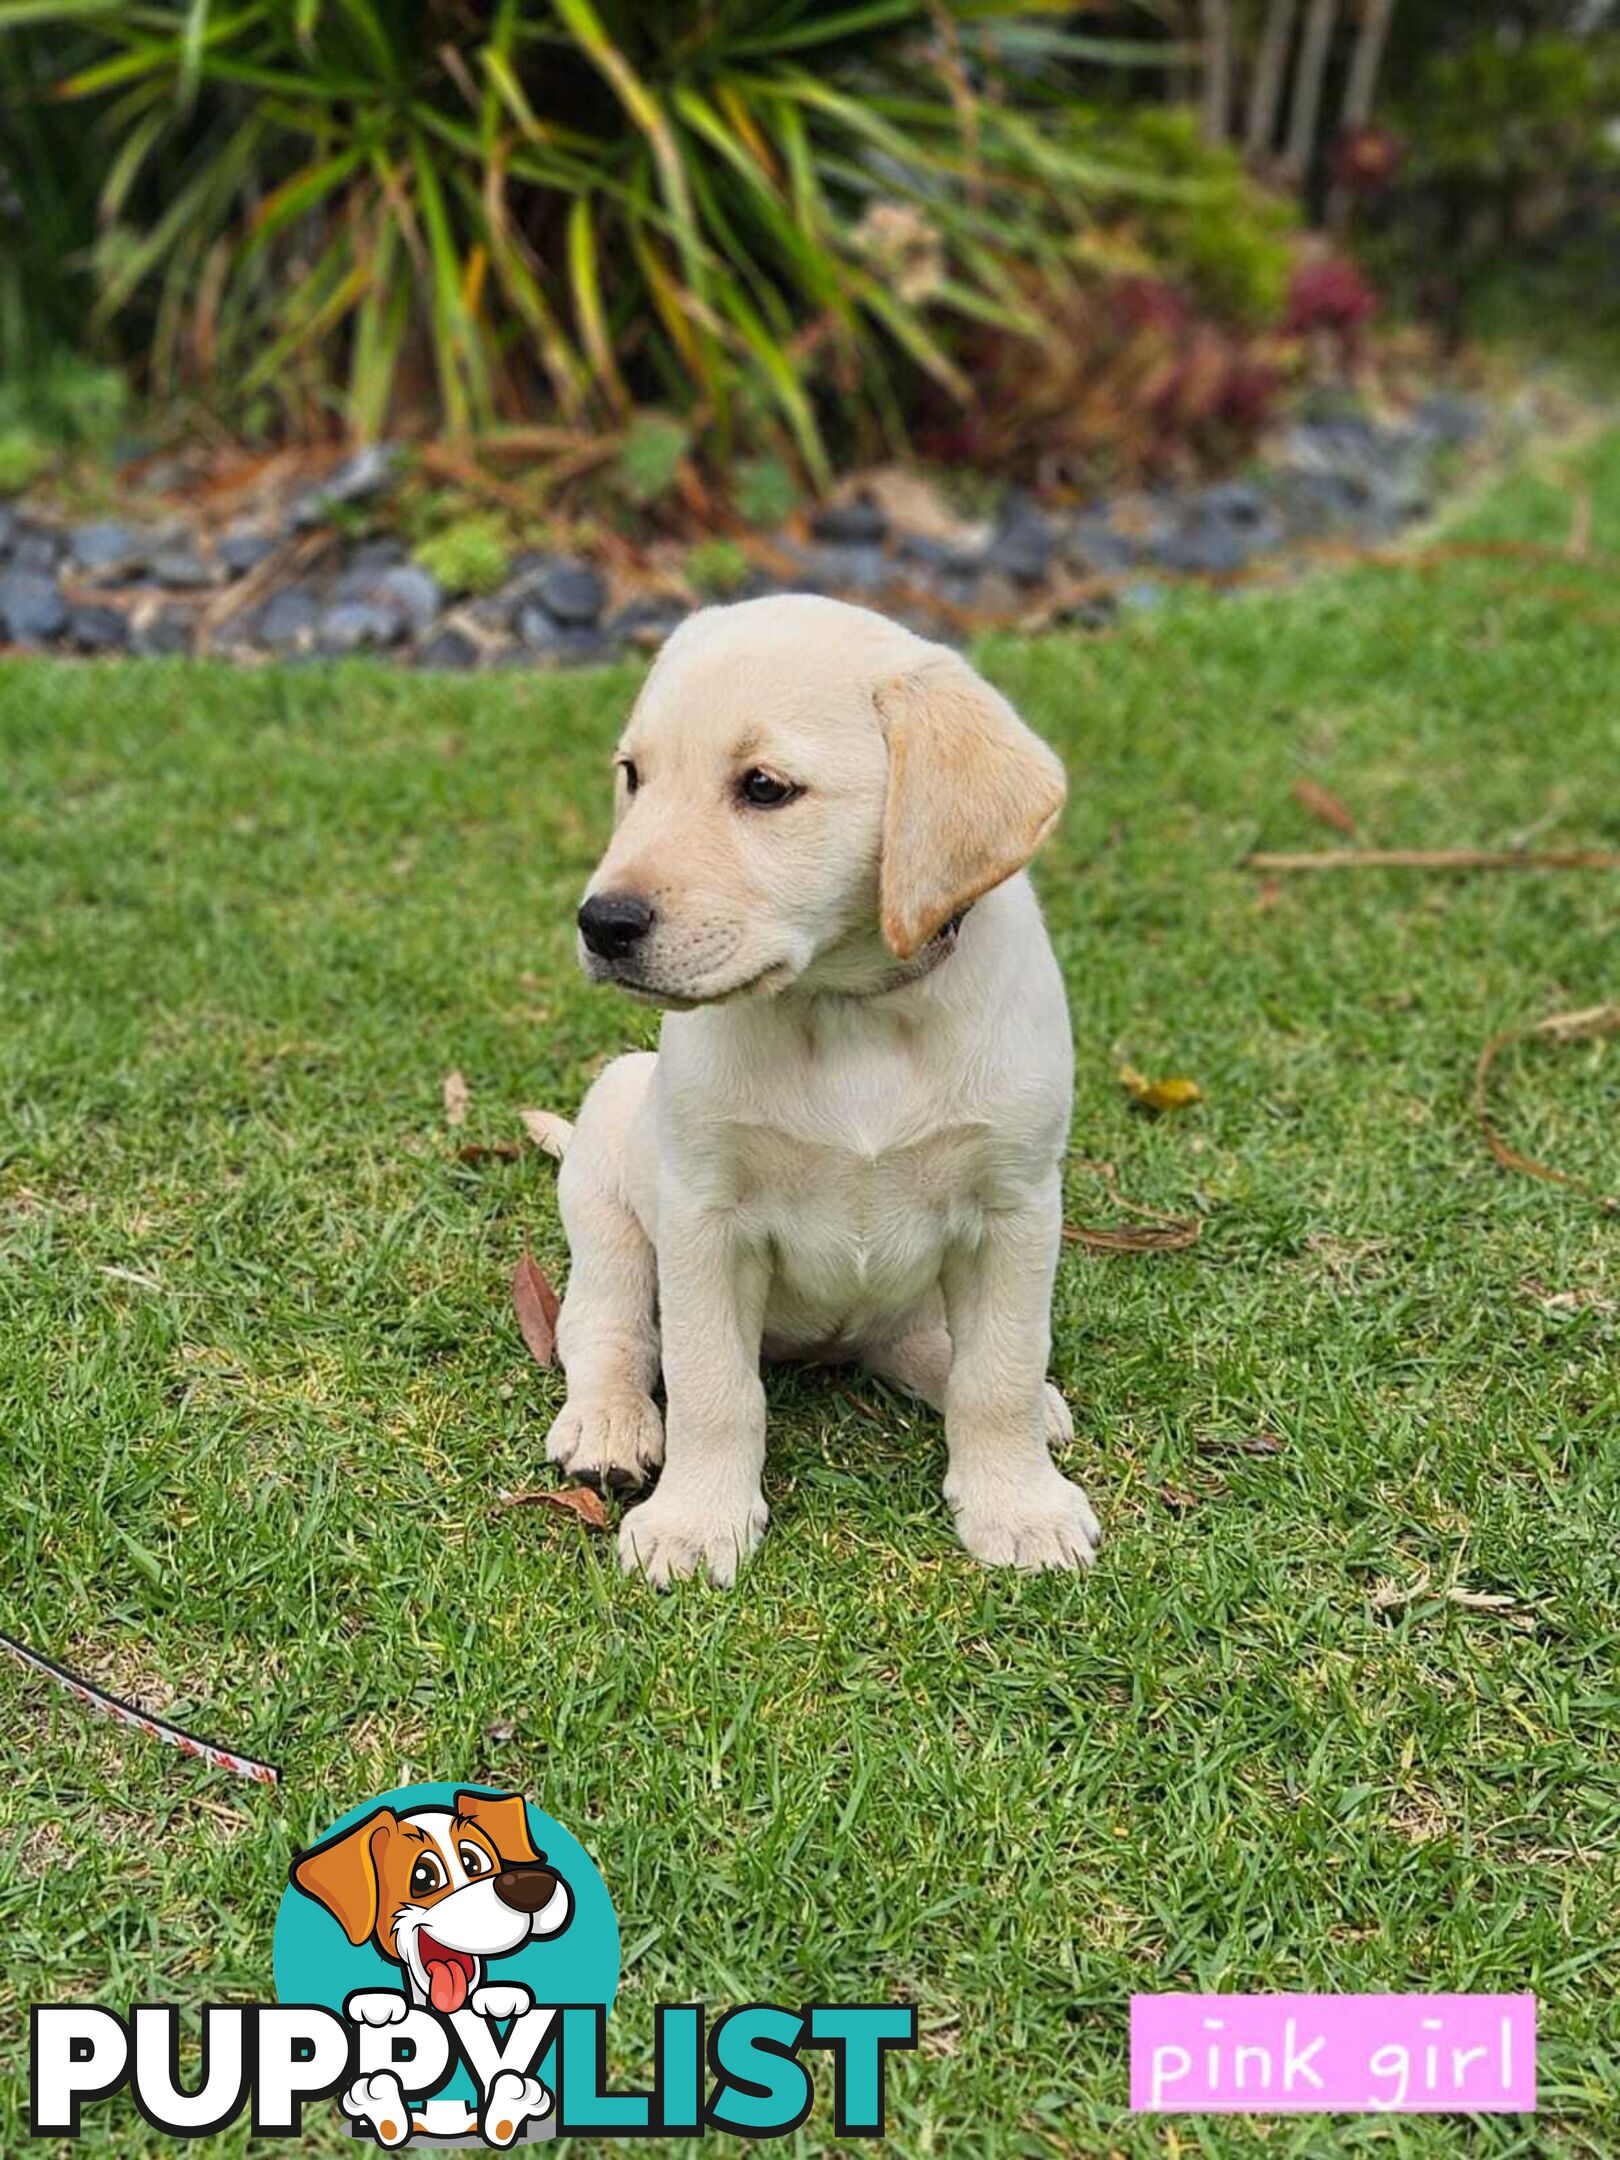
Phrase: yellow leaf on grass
(1159, 1094)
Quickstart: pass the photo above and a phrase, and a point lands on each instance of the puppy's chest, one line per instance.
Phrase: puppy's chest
(857, 1185)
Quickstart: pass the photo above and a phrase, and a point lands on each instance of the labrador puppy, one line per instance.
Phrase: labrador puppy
(848, 1144)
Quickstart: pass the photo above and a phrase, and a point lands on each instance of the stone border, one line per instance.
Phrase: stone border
(297, 590)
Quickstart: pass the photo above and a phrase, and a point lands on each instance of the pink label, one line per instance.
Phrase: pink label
(1333, 2054)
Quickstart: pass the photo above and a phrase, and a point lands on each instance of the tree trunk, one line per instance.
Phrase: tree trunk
(1265, 95)
(1361, 88)
(1216, 18)
(1309, 77)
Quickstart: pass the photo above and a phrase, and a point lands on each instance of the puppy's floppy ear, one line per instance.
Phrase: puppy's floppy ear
(504, 1818)
(342, 1874)
(972, 794)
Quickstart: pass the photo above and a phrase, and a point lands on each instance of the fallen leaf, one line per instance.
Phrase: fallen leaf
(476, 1151)
(1482, 1600)
(1178, 1498)
(576, 1500)
(500, 1732)
(1176, 1094)
(549, 1132)
(1259, 1443)
(1311, 796)
(536, 1305)
(455, 1099)
(1269, 896)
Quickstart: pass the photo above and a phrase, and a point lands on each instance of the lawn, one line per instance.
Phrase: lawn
(1337, 1709)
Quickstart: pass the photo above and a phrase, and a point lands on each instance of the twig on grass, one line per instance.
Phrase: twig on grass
(1595, 1021)
(1159, 1233)
(1438, 859)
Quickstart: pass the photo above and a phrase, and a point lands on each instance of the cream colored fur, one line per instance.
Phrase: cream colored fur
(848, 1144)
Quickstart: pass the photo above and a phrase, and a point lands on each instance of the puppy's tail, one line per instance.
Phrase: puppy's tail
(548, 1131)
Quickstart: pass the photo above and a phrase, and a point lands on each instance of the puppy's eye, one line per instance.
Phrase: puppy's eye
(764, 791)
(632, 779)
(474, 1859)
(427, 1876)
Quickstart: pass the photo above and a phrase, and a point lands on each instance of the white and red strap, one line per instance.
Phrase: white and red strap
(127, 1713)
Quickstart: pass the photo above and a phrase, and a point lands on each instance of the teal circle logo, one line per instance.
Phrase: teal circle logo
(456, 1899)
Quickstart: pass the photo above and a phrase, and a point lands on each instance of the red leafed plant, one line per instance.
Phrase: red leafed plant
(1131, 380)
(1329, 300)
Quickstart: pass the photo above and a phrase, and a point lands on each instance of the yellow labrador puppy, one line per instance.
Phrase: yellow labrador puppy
(848, 1143)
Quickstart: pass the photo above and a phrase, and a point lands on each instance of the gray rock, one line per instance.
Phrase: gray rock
(35, 547)
(1023, 542)
(860, 522)
(415, 592)
(243, 550)
(922, 552)
(449, 648)
(1219, 532)
(538, 631)
(287, 623)
(832, 567)
(107, 553)
(356, 626)
(372, 557)
(1449, 418)
(97, 630)
(645, 623)
(571, 591)
(1095, 548)
(32, 611)
(8, 528)
(556, 644)
(165, 635)
(369, 473)
(181, 568)
(1143, 595)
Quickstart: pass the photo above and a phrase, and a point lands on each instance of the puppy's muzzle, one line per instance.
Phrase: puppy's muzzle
(526, 1889)
(613, 924)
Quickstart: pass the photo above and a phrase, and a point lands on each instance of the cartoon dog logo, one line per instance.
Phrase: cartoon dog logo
(439, 1892)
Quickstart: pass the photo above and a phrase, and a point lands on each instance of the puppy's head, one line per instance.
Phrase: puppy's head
(439, 1889)
(806, 792)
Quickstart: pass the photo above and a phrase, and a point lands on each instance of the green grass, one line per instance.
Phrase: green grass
(261, 1385)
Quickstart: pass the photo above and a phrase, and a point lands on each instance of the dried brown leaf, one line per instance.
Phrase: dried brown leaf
(1259, 1443)
(1312, 796)
(455, 1099)
(477, 1151)
(580, 1501)
(536, 1305)
(1179, 1498)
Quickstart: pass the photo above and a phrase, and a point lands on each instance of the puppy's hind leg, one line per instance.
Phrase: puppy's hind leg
(918, 1362)
(608, 1432)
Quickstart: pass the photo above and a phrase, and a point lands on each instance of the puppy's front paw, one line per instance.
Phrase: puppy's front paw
(611, 1441)
(376, 2006)
(670, 1536)
(501, 2000)
(1046, 1523)
(380, 2101)
(513, 2101)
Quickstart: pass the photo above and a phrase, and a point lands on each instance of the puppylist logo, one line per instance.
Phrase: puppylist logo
(445, 1959)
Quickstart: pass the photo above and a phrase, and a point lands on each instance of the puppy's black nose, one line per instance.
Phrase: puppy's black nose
(525, 1889)
(611, 923)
